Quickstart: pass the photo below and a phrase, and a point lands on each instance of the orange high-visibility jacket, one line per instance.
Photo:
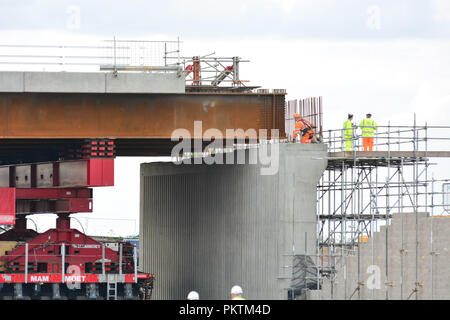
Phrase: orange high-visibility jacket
(301, 125)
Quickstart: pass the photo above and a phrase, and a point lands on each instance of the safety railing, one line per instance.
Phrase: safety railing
(390, 138)
(127, 56)
(117, 55)
(81, 258)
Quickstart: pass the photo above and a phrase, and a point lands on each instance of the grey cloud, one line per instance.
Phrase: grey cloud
(292, 19)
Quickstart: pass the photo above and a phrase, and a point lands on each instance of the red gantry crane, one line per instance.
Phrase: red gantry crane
(63, 263)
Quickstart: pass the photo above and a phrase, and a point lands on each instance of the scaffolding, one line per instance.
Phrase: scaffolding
(361, 190)
(204, 72)
(106, 55)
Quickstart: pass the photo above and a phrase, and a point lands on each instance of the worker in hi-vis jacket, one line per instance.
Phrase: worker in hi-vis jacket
(303, 128)
(348, 132)
(368, 127)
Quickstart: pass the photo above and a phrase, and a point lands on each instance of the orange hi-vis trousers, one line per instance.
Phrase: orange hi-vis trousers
(307, 138)
(368, 144)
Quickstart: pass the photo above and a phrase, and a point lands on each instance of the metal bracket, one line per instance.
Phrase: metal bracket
(412, 292)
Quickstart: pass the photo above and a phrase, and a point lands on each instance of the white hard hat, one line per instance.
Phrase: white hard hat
(236, 290)
(193, 295)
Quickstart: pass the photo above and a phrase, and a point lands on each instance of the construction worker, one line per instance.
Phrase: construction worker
(193, 295)
(303, 128)
(236, 293)
(348, 132)
(368, 126)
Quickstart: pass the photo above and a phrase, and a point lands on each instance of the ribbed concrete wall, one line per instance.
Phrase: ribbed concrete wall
(397, 270)
(207, 227)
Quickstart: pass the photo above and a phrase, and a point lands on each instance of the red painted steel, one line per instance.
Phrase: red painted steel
(100, 172)
(50, 193)
(7, 206)
(37, 206)
(45, 251)
(188, 69)
(96, 172)
(46, 248)
(77, 205)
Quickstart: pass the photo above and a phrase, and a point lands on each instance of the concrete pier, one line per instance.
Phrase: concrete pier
(208, 227)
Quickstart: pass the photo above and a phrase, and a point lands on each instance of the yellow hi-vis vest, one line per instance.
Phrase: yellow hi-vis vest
(348, 130)
(368, 127)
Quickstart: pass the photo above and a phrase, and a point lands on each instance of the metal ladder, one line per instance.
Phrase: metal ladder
(111, 290)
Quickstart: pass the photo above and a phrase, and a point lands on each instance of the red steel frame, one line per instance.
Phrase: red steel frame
(63, 198)
(7, 206)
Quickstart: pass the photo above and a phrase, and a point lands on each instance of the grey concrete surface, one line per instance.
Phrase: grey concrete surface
(399, 267)
(12, 81)
(91, 82)
(145, 82)
(64, 82)
(208, 227)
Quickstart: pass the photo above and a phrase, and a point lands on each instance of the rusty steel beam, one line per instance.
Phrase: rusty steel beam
(36, 126)
(133, 116)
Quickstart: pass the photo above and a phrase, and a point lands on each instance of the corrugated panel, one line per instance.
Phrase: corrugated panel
(206, 228)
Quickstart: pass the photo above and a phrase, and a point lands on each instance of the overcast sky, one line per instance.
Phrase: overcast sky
(387, 57)
(286, 19)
